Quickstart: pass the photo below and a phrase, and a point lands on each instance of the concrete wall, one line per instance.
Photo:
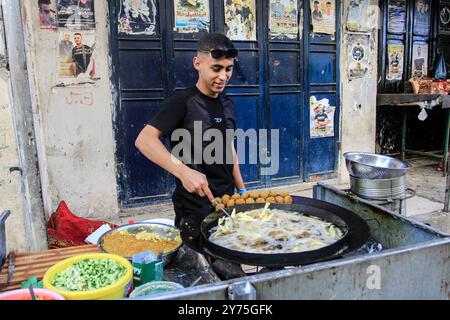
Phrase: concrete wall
(75, 141)
(358, 96)
(11, 198)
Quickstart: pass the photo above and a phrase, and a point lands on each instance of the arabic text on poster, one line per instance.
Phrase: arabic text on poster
(283, 19)
(323, 16)
(76, 14)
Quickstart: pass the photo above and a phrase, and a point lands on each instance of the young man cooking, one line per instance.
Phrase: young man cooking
(201, 107)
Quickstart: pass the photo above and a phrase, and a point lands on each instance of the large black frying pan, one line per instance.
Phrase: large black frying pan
(356, 233)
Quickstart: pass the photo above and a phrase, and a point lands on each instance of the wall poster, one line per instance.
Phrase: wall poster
(422, 14)
(76, 63)
(358, 55)
(397, 16)
(137, 17)
(444, 18)
(323, 16)
(240, 19)
(321, 118)
(283, 19)
(357, 15)
(47, 14)
(420, 59)
(76, 14)
(396, 56)
(191, 16)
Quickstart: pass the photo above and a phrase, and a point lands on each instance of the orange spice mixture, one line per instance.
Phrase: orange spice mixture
(126, 244)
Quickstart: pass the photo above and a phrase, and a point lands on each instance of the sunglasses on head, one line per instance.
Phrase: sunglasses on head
(220, 53)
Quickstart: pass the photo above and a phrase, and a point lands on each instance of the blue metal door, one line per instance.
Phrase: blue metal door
(270, 88)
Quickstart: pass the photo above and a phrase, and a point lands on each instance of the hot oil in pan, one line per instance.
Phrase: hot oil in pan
(275, 231)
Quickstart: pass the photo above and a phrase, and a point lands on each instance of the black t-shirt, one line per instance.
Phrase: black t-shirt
(180, 112)
(81, 56)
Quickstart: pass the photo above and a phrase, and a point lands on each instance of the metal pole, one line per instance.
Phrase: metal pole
(446, 142)
(34, 215)
(403, 145)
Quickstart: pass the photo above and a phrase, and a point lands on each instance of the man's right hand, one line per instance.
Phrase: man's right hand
(196, 182)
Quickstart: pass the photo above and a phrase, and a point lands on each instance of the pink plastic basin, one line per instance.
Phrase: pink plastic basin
(24, 294)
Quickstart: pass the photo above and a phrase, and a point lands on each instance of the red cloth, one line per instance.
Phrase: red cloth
(67, 230)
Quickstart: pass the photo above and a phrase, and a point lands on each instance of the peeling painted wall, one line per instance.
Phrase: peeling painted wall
(75, 139)
(358, 97)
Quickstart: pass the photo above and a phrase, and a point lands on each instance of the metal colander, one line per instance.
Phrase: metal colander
(366, 165)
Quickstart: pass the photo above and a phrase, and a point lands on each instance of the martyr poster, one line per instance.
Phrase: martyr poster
(357, 15)
(138, 17)
(283, 19)
(396, 16)
(321, 118)
(76, 14)
(420, 59)
(358, 55)
(47, 14)
(323, 16)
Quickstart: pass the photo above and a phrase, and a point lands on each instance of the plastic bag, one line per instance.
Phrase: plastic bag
(441, 69)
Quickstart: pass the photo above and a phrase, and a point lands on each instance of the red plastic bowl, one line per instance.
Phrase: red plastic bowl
(24, 294)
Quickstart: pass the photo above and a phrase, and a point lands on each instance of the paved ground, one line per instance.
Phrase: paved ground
(427, 206)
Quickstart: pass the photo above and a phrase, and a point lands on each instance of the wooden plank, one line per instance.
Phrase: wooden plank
(37, 263)
(395, 99)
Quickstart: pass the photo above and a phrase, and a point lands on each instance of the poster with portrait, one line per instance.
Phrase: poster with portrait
(191, 16)
(240, 19)
(358, 55)
(138, 17)
(397, 16)
(321, 118)
(323, 16)
(396, 60)
(283, 19)
(422, 15)
(76, 63)
(444, 18)
(47, 14)
(76, 14)
(420, 59)
(357, 15)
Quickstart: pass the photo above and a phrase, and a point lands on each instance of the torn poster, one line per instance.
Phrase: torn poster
(191, 16)
(283, 19)
(137, 17)
(240, 19)
(321, 118)
(444, 18)
(396, 56)
(420, 59)
(323, 16)
(76, 14)
(47, 14)
(358, 55)
(357, 15)
(76, 58)
(396, 16)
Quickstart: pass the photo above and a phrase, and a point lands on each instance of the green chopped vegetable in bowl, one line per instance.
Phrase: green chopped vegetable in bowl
(89, 274)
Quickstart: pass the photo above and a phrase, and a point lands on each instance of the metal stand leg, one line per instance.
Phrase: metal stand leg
(446, 142)
(403, 145)
(447, 194)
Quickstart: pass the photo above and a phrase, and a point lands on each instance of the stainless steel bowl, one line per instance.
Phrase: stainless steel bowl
(159, 228)
(374, 166)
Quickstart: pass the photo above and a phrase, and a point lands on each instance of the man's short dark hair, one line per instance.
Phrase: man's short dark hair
(211, 41)
(77, 34)
(316, 2)
(45, 2)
